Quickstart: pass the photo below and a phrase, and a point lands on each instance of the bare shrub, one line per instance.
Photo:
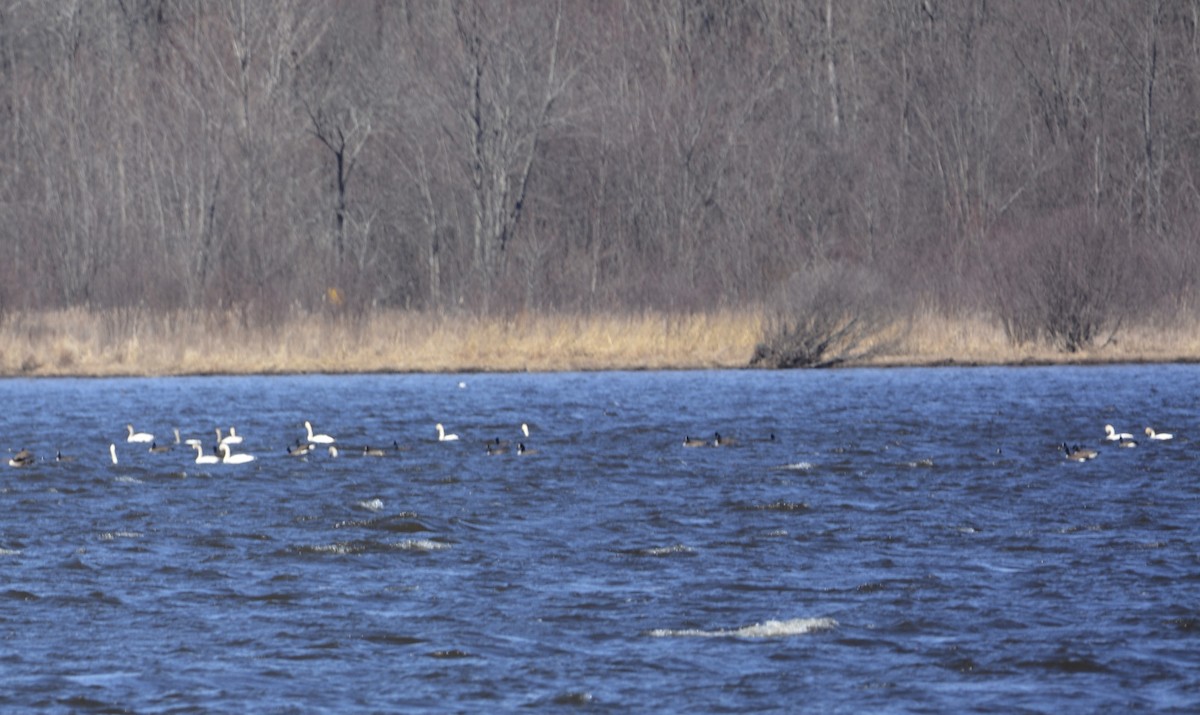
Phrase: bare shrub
(1063, 282)
(825, 316)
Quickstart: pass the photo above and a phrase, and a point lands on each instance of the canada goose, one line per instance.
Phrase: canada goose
(1078, 454)
(228, 457)
(694, 442)
(1162, 436)
(373, 452)
(202, 458)
(139, 436)
(1112, 435)
(156, 448)
(521, 449)
(493, 448)
(232, 438)
(719, 441)
(317, 438)
(24, 458)
(443, 436)
(60, 457)
(300, 450)
(112, 452)
(1127, 443)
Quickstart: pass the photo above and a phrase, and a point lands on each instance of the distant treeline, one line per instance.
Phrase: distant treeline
(1037, 160)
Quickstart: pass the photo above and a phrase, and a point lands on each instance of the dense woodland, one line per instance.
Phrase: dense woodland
(1036, 160)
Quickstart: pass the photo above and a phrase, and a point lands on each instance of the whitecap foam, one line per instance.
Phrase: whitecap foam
(371, 504)
(10, 552)
(766, 629)
(660, 550)
(419, 545)
(113, 535)
(796, 466)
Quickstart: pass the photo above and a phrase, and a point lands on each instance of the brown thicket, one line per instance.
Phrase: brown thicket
(1032, 160)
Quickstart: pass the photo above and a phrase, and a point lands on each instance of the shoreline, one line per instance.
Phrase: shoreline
(131, 343)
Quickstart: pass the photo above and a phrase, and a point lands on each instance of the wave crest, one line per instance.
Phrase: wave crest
(766, 629)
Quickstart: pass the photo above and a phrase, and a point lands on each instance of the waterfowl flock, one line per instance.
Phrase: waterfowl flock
(1112, 437)
(222, 451)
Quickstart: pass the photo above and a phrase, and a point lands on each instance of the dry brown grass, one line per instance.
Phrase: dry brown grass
(132, 342)
(933, 339)
(124, 342)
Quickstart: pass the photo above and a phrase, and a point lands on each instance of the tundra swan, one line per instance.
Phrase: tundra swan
(1112, 435)
(112, 452)
(317, 438)
(228, 457)
(443, 436)
(139, 436)
(202, 458)
(232, 438)
(1158, 435)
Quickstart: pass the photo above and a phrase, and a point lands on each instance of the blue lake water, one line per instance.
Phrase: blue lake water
(899, 540)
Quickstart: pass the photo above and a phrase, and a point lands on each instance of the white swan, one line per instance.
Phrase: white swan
(1112, 435)
(228, 457)
(317, 438)
(233, 438)
(442, 436)
(333, 451)
(138, 436)
(202, 458)
(1158, 435)
(525, 430)
(112, 452)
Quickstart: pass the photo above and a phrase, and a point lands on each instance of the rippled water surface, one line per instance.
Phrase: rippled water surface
(901, 540)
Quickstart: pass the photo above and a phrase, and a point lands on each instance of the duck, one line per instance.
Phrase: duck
(694, 442)
(228, 457)
(145, 437)
(1161, 436)
(373, 452)
(202, 458)
(1078, 454)
(443, 436)
(1112, 435)
(317, 438)
(24, 458)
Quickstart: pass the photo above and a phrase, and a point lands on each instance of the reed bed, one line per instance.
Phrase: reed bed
(135, 342)
(140, 342)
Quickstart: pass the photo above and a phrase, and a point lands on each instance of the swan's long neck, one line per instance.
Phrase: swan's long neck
(112, 451)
